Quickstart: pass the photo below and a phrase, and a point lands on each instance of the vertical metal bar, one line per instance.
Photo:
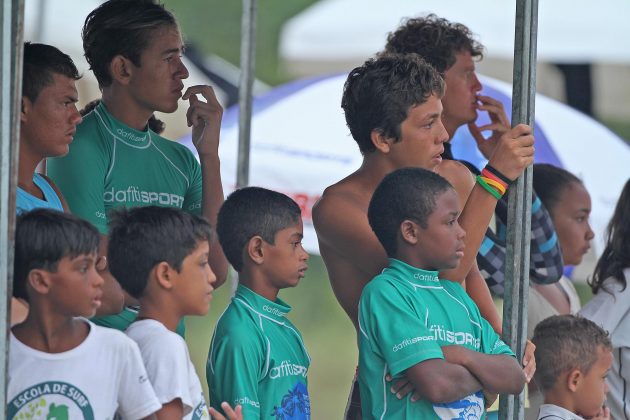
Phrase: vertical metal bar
(248, 56)
(11, 33)
(519, 207)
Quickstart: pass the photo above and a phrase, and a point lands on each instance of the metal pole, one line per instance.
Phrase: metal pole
(11, 33)
(519, 206)
(248, 56)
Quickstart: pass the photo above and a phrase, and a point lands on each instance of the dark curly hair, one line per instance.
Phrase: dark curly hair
(435, 39)
(616, 255)
(378, 95)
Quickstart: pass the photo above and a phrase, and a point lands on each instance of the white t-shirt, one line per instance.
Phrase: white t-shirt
(168, 365)
(102, 376)
(554, 412)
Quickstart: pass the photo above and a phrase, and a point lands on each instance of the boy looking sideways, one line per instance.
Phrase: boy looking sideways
(60, 364)
(574, 357)
(414, 324)
(135, 50)
(257, 356)
(160, 257)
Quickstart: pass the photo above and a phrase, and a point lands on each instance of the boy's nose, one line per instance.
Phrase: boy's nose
(182, 72)
(462, 232)
(98, 280)
(212, 278)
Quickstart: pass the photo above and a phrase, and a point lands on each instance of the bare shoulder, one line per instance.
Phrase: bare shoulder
(459, 176)
(346, 196)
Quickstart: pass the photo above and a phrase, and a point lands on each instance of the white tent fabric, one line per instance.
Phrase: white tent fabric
(300, 144)
(569, 31)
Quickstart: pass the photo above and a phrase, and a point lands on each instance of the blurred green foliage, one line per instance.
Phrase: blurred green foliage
(215, 27)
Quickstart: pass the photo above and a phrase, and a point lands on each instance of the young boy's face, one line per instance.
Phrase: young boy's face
(76, 288)
(591, 392)
(157, 84)
(441, 245)
(422, 137)
(193, 283)
(286, 260)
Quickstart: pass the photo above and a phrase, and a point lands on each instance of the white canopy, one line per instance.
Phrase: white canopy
(570, 31)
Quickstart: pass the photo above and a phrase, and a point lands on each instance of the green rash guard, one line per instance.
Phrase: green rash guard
(111, 165)
(257, 359)
(405, 316)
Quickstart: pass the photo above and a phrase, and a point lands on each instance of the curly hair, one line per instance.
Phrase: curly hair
(563, 343)
(378, 95)
(435, 39)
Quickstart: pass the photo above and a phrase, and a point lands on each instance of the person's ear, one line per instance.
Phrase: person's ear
(39, 280)
(409, 231)
(574, 378)
(255, 249)
(25, 109)
(381, 142)
(121, 69)
(163, 275)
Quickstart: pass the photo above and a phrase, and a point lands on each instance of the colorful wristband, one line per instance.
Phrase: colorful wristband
(498, 174)
(487, 174)
(488, 188)
(496, 185)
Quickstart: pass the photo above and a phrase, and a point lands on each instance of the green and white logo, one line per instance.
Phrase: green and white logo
(50, 401)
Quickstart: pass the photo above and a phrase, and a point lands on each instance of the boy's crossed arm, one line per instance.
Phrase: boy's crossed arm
(440, 381)
(497, 373)
(461, 372)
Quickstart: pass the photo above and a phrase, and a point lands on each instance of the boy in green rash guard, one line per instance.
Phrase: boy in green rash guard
(414, 324)
(134, 49)
(257, 357)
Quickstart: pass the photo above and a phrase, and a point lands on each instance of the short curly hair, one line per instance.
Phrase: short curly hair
(378, 95)
(435, 39)
(563, 343)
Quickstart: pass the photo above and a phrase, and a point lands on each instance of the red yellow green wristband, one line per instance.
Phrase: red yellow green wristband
(481, 181)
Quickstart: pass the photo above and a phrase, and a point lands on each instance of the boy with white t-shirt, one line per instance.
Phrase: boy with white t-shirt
(160, 257)
(61, 365)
